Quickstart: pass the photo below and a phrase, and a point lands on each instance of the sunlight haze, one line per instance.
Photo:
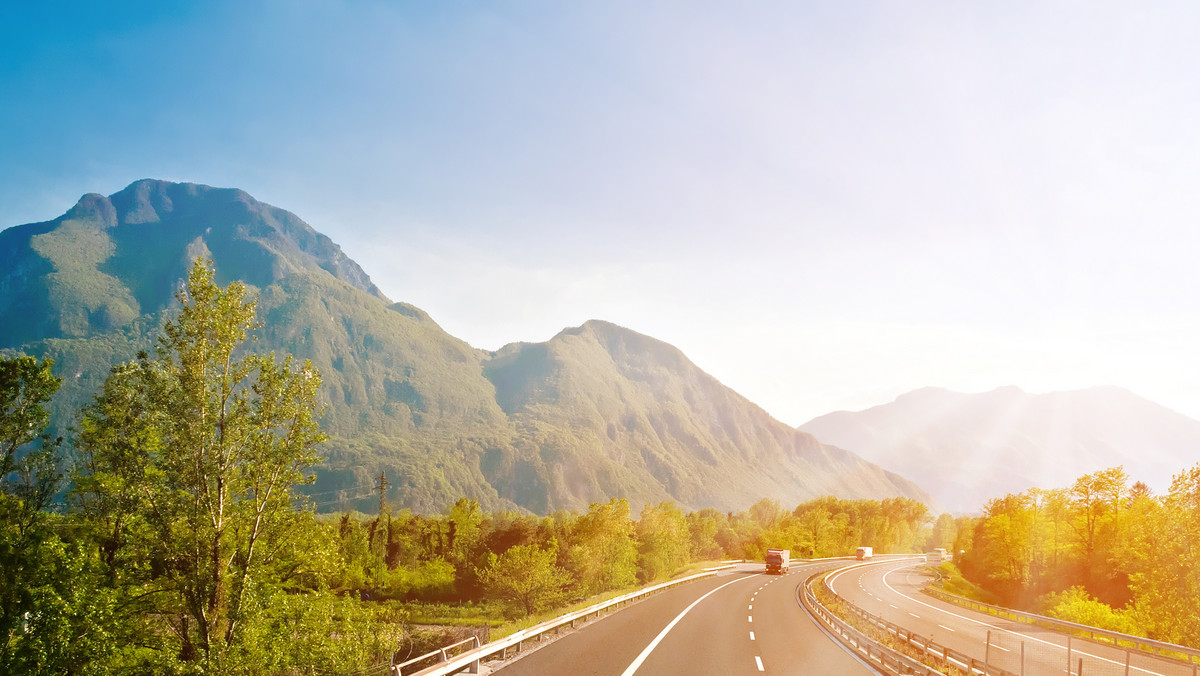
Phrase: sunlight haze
(824, 205)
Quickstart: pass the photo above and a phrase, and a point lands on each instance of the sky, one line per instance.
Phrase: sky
(823, 204)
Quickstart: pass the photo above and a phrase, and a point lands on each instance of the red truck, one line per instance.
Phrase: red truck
(777, 561)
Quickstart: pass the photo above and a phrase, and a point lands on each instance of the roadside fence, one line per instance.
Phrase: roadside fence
(1131, 644)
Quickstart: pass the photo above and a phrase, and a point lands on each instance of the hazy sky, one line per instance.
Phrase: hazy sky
(823, 204)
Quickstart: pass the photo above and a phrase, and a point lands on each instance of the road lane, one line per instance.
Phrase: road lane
(892, 591)
(606, 647)
(750, 624)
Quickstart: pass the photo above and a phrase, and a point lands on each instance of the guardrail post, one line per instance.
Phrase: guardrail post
(1127, 663)
(1023, 659)
(987, 653)
(1068, 655)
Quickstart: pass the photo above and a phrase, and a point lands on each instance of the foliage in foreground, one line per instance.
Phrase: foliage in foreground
(183, 547)
(1101, 552)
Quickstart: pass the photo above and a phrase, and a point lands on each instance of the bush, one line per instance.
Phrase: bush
(1078, 606)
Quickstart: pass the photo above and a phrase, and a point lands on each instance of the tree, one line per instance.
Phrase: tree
(189, 460)
(25, 388)
(942, 534)
(663, 541)
(525, 578)
(1096, 499)
(703, 527)
(602, 554)
(1166, 588)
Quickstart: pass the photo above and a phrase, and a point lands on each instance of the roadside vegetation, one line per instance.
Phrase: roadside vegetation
(174, 541)
(1103, 552)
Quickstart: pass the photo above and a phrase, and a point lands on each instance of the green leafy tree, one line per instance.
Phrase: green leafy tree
(602, 553)
(1165, 584)
(52, 619)
(703, 527)
(819, 532)
(189, 460)
(526, 579)
(942, 534)
(662, 541)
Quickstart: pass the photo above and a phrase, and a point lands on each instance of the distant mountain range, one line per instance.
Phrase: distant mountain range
(967, 448)
(597, 411)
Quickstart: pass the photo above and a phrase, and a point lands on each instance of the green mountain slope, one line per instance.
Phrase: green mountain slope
(597, 411)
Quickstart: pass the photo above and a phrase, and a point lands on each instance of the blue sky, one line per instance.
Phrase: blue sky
(824, 204)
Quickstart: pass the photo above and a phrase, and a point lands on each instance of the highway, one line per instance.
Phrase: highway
(891, 589)
(739, 622)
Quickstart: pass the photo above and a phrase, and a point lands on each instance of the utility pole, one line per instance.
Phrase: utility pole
(382, 488)
(380, 534)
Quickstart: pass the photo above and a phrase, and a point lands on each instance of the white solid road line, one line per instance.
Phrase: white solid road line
(633, 667)
(1014, 633)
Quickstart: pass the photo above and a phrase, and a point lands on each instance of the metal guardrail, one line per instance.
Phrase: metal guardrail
(1159, 648)
(442, 653)
(886, 657)
(931, 649)
(470, 660)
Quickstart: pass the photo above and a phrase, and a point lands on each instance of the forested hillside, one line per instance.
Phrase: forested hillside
(184, 547)
(594, 412)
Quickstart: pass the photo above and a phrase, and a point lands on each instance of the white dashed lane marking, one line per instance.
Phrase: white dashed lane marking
(758, 661)
(751, 636)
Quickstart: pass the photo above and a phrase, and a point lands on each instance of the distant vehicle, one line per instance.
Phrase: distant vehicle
(863, 553)
(777, 561)
(936, 555)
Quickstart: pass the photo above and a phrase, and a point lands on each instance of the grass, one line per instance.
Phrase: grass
(840, 608)
(469, 614)
(951, 581)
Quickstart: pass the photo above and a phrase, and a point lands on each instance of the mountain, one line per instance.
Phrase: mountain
(968, 448)
(596, 411)
(607, 408)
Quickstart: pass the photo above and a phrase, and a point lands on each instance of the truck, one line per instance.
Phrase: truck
(863, 553)
(936, 555)
(777, 561)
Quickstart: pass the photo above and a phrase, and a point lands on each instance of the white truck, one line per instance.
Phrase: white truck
(863, 553)
(777, 561)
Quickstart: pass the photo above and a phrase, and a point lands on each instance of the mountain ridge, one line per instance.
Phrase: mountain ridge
(596, 411)
(988, 444)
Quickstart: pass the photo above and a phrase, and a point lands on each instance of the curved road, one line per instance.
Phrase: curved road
(892, 590)
(739, 622)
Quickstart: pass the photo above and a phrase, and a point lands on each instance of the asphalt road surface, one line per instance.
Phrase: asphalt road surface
(741, 622)
(892, 590)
